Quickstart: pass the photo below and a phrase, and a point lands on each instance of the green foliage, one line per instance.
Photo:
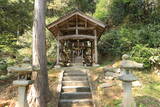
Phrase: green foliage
(115, 103)
(61, 7)
(7, 44)
(15, 19)
(121, 40)
(15, 16)
(101, 9)
(3, 65)
(116, 12)
(112, 11)
(142, 54)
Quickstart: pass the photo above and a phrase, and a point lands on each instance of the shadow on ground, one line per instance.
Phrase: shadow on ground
(147, 101)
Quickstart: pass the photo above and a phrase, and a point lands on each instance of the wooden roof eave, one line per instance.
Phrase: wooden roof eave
(64, 18)
(102, 33)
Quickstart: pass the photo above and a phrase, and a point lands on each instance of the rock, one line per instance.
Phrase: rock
(106, 85)
(111, 74)
(118, 70)
(127, 64)
(107, 69)
(109, 78)
(136, 84)
(125, 57)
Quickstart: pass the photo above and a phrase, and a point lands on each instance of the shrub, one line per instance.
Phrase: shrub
(143, 54)
(121, 40)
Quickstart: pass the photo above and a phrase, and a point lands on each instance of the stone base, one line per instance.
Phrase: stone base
(95, 65)
(57, 66)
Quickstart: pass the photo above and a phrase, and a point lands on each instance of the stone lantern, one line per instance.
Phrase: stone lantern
(23, 81)
(127, 78)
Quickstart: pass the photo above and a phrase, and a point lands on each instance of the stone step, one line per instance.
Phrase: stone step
(74, 71)
(78, 64)
(75, 83)
(75, 89)
(76, 95)
(74, 78)
(75, 74)
(75, 103)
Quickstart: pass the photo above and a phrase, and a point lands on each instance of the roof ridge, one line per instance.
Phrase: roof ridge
(73, 12)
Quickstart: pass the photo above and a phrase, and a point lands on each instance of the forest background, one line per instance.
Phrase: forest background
(133, 27)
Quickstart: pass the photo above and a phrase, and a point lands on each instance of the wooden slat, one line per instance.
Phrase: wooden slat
(76, 37)
(79, 28)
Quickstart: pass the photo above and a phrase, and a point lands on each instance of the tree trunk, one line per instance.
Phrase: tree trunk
(38, 93)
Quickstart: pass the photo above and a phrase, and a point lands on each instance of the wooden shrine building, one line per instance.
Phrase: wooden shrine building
(77, 35)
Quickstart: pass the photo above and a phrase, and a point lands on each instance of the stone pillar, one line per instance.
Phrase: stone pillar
(127, 78)
(95, 48)
(128, 100)
(22, 94)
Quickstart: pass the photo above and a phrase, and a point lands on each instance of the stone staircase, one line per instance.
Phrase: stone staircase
(75, 89)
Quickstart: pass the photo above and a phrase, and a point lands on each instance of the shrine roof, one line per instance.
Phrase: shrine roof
(67, 23)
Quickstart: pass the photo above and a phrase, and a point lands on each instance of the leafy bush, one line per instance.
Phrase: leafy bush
(116, 12)
(143, 54)
(7, 44)
(112, 11)
(121, 40)
(3, 66)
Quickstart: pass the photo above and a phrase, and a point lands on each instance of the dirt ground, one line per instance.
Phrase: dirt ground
(8, 92)
(145, 96)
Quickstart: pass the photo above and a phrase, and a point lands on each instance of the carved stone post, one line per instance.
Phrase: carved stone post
(23, 81)
(128, 100)
(127, 78)
(22, 94)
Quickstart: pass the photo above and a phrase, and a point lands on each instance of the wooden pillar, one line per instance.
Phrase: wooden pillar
(58, 46)
(95, 46)
(76, 25)
(92, 51)
(78, 48)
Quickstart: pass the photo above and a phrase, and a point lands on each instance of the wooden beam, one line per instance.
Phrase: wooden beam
(85, 23)
(72, 23)
(76, 37)
(59, 32)
(79, 28)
